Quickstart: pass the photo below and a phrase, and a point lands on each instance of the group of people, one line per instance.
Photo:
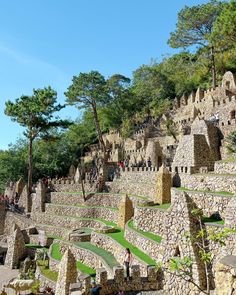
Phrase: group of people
(141, 163)
(10, 203)
(95, 290)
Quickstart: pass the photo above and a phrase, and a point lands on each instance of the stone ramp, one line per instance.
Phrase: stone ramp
(6, 274)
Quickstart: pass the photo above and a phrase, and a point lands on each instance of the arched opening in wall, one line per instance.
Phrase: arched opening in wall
(177, 251)
(222, 124)
(186, 169)
(232, 115)
(227, 84)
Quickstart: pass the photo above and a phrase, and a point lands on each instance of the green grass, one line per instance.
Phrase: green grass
(221, 193)
(45, 271)
(119, 237)
(162, 206)
(229, 160)
(212, 220)
(149, 235)
(107, 256)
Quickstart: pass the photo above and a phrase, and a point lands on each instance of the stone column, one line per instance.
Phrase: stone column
(20, 186)
(164, 183)
(39, 199)
(77, 175)
(72, 171)
(16, 248)
(126, 211)
(25, 201)
(67, 273)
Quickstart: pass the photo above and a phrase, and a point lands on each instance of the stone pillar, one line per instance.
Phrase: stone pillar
(77, 175)
(101, 276)
(67, 273)
(119, 274)
(72, 171)
(86, 283)
(164, 183)
(39, 199)
(16, 248)
(126, 211)
(25, 202)
(135, 273)
(151, 273)
(225, 276)
(20, 186)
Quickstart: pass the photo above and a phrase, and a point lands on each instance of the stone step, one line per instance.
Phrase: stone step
(55, 231)
(92, 199)
(108, 213)
(67, 222)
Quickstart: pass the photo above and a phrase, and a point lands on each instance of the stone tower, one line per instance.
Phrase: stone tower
(164, 182)
(126, 211)
(67, 273)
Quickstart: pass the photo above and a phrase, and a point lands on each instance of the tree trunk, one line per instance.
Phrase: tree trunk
(101, 141)
(98, 128)
(82, 182)
(30, 164)
(213, 67)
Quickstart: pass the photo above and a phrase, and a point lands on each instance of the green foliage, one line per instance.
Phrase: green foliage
(35, 288)
(231, 139)
(225, 25)
(195, 24)
(36, 114)
(181, 265)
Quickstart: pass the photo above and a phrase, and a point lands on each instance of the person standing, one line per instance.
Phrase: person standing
(127, 262)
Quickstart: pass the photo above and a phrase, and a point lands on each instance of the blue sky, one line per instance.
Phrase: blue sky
(46, 42)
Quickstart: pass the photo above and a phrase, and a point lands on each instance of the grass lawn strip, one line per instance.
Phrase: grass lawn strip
(212, 220)
(149, 235)
(46, 272)
(119, 237)
(108, 257)
(160, 207)
(221, 193)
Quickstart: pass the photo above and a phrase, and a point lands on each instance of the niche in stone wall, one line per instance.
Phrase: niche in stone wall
(232, 115)
(177, 251)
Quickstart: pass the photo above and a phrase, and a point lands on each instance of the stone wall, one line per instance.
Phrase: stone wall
(209, 203)
(210, 181)
(226, 276)
(118, 282)
(224, 167)
(140, 183)
(21, 220)
(62, 225)
(92, 212)
(152, 248)
(110, 200)
(109, 244)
